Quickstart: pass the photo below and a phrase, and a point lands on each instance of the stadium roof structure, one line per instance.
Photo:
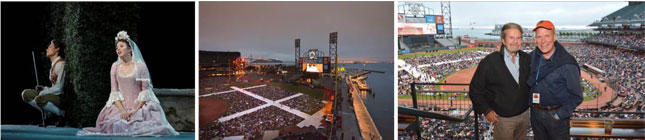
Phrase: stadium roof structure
(633, 13)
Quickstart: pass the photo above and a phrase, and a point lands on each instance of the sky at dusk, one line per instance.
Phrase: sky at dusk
(268, 29)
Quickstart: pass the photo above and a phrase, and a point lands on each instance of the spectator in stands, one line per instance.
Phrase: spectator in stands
(498, 87)
(555, 85)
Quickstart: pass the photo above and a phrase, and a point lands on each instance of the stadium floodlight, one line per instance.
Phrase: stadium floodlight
(333, 37)
(447, 19)
(297, 44)
(333, 57)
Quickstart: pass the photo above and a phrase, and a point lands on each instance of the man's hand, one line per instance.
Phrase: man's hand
(38, 99)
(491, 116)
(39, 87)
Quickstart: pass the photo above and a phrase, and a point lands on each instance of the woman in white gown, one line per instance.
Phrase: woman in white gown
(132, 108)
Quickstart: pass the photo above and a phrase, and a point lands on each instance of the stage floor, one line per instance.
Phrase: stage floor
(32, 132)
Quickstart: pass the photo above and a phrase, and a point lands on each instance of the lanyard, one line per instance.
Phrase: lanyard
(538, 72)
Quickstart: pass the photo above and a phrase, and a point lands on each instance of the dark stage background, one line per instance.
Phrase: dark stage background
(165, 33)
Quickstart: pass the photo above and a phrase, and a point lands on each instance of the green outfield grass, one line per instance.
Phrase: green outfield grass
(406, 56)
(590, 97)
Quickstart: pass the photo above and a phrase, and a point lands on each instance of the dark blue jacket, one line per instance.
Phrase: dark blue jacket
(558, 82)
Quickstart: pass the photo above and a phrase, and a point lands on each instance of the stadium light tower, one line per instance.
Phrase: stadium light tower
(333, 44)
(297, 52)
(333, 57)
(447, 19)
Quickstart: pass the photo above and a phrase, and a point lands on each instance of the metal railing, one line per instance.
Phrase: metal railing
(592, 126)
(438, 100)
(429, 103)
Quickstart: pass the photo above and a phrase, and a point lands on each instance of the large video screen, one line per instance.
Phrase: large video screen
(310, 67)
(426, 25)
(417, 28)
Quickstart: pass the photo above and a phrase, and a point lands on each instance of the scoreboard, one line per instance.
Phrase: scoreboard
(315, 65)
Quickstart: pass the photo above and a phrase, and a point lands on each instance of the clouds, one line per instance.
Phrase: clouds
(268, 29)
(366, 29)
(528, 13)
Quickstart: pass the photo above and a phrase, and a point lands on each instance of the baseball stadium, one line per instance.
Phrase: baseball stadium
(435, 69)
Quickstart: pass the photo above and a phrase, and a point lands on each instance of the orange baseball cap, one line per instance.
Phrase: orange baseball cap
(544, 24)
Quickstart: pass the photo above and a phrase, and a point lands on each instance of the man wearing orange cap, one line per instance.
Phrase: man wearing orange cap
(554, 84)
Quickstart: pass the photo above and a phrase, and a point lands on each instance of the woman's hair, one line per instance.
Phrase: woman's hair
(124, 41)
(123, 36)
(61, 47)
